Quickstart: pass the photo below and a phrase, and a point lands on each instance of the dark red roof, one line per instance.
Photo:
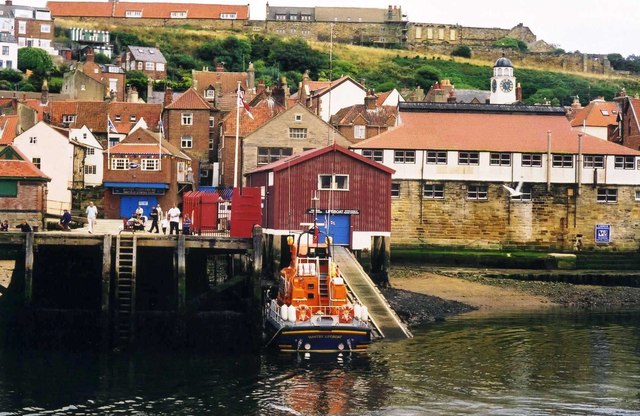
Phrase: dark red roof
(148, 10)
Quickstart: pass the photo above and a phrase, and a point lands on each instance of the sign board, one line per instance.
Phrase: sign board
(334, 211)
(603, 233)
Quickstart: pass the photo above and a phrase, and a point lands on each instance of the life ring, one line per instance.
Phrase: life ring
(346, 313)
(304, 313)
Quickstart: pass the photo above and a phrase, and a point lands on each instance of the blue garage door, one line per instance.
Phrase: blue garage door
(128, 204)
(339, 227)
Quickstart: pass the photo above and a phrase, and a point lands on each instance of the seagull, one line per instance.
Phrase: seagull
(514, 192)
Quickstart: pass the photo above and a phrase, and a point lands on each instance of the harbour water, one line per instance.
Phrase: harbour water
(553, 362)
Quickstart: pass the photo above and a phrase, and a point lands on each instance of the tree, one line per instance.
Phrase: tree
(138, 80)
(102, 59)
(11, 75)
(34, 59)
(426, 76)
(463, 51)
(234, 52)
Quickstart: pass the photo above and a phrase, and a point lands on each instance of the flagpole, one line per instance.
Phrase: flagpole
(108, 143)
(235, 164)
(160, 143)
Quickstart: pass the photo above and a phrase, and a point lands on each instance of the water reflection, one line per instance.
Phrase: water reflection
(543, 363)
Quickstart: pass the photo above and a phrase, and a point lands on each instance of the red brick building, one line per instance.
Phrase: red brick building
(138, 173)
(628, 131)
(191, 124)
(23, 189)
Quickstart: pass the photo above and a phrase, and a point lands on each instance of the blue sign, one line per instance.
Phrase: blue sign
(603, 233)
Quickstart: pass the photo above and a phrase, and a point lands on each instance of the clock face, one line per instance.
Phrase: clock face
(506, 85)
(494, 85)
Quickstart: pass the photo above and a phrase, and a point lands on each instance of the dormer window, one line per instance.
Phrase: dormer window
(69, 118)
(210, 94)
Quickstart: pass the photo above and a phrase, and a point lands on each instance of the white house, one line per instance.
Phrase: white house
(55, 155)
(8, 51)
(93, 161)
(326, 98)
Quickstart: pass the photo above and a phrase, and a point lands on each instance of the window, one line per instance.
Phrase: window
(186, 142)
(500, 159)
(69, 118)
(91, 151)
(436, 158)
(433, 191)
(178, 15)
(477, 192)
(359, 132)
(22, 27)
(118, 118)
(150, 164)
(468, 158)
(5, 50)
(404, 156)
(375, 155)
(593, 161)
(119, 164)
(212, 122)
(532, 160)
(526, 194)
(132, 118)
(306, 17)
(305, 32)
(607, 195)
(281, 17)
(9, 64)
(637, 195)
(37, 162)
(8, 188)
(33, 140)
(268, 155)
(625, 162)
(210, 94)
(90, 169)
(452, 34)
(297, 133)
(149, 66)
(228, 16)
(395, 190)
(133, 13)
(140, 65)
(562, 161)
(187, 119)
(333, 182)
(297, 118)
(280, 31)
(210, 144)
(45, 28)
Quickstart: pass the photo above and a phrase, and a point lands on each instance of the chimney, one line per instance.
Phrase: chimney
(252, 77)
(44, 95)
(133, 95)
(220, 67)
(452, 96)
(168, 96)
(576, 103)
(8, 2)
(518, 93)
(370, 101)
(261, 87)
(149, 90)
(90, 56)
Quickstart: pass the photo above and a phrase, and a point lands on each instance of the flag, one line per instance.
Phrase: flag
(243, 103)
(111, 126)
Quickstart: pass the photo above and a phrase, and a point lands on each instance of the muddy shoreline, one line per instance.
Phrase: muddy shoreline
(421, 294)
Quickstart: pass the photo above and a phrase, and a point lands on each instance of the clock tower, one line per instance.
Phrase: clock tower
(503, 83)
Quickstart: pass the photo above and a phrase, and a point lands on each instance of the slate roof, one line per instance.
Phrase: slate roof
(520, 132)
(149, 10)
(598, 113)
(146, 54)
(15, 165)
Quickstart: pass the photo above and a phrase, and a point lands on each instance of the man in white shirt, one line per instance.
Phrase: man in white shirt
(92, 214)
(174, 219)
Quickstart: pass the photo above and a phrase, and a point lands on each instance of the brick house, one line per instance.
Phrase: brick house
(33, 26)
(23, 188)
(220, 88)
(146, 59)
(191, 124)
(90, 81)
(363, 121)
(628, 129)
(144, 171)
(453, 163)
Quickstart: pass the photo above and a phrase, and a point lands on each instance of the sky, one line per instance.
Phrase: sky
(588, 26)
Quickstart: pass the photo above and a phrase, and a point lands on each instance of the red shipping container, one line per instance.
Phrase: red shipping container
(246, 211)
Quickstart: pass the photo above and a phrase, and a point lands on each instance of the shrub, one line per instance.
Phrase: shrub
(511, 43)
(462, 51)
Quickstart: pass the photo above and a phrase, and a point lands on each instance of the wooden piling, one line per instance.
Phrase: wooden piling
(105, 322)
(28, 269)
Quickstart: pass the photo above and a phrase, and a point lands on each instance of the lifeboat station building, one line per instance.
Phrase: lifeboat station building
(346, 193)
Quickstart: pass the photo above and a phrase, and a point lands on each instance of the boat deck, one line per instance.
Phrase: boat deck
(384, 318)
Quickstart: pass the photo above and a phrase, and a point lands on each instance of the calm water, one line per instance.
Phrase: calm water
(548, 363)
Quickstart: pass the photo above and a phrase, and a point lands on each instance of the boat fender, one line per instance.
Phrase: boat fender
(346, 313)
(356, 311)
(284, 312)
(364, 313)
(304, 313)
(274, 305)
(292, 313)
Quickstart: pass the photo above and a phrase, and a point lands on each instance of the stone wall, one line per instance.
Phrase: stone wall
(551, 221)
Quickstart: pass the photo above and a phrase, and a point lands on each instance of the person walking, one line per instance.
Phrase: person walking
(154, 220)
(92, 214)
(174, 219)
(160, 212)
(65, 220)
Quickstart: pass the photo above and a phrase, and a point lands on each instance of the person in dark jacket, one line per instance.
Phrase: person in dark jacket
(24, 226)
(154, 220)
(65, 220)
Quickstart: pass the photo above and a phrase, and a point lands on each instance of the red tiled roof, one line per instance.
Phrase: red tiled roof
(14, 164)
(145, 142)
(228, 81)
(149, 10)
(377, 117)
(488, 132)
(382, 96)
(189, 100)
(635, 108)
(598, 113)
(9, 128)
(262, 112)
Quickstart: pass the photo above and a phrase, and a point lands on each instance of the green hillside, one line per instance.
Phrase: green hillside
(188, 48)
